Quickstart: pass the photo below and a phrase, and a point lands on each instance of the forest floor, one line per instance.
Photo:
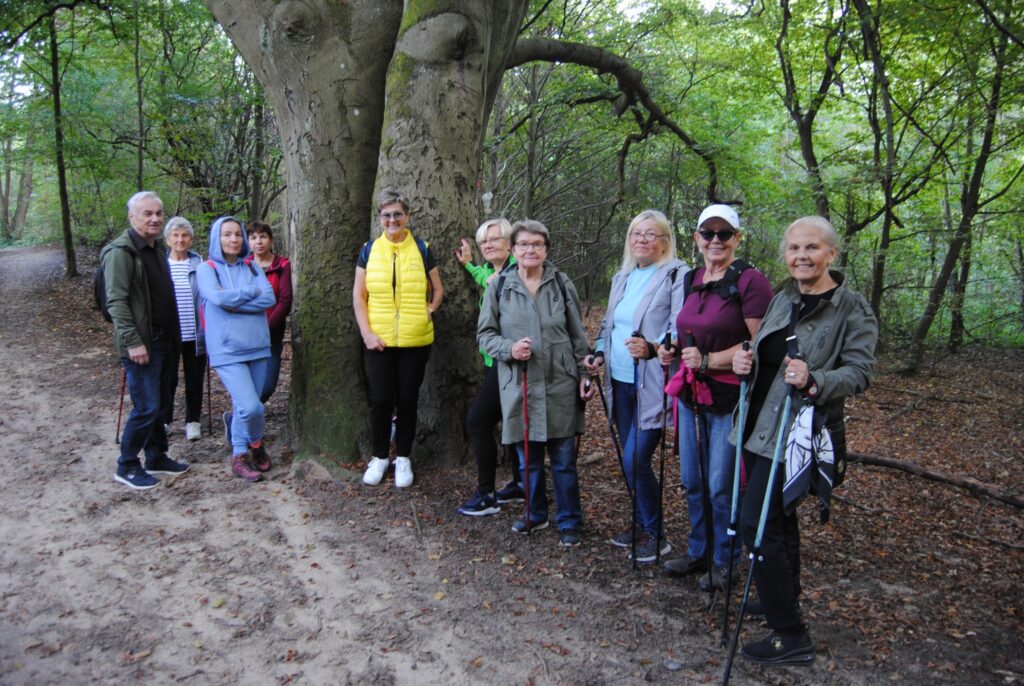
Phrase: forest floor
(210, 580)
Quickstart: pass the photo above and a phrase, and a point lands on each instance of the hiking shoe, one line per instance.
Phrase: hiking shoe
(570, 538)
(713, 580)
(192, 431)
(136, 478)
(781, 649)
(647, 549)
(511, 493)
(685, 565)
(375, 471)
(241, 468)
(623, 539)
(403, 472)
(480, 505)
(754, 609)
(226, 418)
(521, 526)
(259, 459)
(165, 466)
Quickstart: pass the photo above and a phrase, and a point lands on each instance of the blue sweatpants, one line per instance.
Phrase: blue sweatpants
(244, 381)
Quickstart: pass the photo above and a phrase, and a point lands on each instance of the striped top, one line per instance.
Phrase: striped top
(183, 294)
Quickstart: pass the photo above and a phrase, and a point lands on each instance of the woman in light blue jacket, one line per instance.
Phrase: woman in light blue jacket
(646, 296)
(235, 296)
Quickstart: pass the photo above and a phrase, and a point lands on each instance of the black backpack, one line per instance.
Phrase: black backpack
(99, 289)
(726, 288)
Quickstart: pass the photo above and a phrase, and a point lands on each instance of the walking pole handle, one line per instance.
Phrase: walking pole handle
(794, 348)
(746, 348)
(636, 334)
(691, 342)
(667, 342)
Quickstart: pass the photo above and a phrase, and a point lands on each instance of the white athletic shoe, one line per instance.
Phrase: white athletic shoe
(192, 431)
(403, 472)
(375, 471)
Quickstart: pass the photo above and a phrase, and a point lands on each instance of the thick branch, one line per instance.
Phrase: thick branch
(970, 483)
(629, 79)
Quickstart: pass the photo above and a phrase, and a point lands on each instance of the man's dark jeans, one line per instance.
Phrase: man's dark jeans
(144, 429)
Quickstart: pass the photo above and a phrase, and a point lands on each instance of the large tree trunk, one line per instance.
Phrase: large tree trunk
(328, 68)
(24, 189)
(441, 85)
(70, 263)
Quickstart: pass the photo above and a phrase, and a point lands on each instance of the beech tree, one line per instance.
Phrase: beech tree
(370, 94)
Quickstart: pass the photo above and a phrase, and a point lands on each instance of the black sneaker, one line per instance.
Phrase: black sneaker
(480, 506)
(226, 418)
(781, 649)
(135, 477)
(685, 565)
(511, 493)
(647, 551)
(165, 466)
(521, 526)
(715, 580)
(570, 538)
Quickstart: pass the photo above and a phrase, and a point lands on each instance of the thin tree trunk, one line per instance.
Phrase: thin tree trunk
(141, 143)
(1020, 277)
(70, 263)
(257, 165)
(24, 188)
(956, 304)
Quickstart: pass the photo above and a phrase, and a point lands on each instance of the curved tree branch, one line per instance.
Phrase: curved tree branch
(630, 81)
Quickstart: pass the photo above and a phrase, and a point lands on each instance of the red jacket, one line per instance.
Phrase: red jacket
(279, 274)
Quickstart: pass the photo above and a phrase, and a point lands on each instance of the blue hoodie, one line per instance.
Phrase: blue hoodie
(235, 299)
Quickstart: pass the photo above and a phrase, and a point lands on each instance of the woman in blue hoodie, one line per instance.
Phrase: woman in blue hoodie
(236, 295)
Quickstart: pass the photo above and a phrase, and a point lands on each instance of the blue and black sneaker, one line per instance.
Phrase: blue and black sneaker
(511, 493)
(135, 477)
(165, 466)
(480, 505)
(521, 526)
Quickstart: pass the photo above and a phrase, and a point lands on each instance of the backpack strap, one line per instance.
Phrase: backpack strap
(726, 288)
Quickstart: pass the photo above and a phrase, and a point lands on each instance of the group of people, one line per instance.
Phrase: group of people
(227, 312)
(706, 328)
(673, 346)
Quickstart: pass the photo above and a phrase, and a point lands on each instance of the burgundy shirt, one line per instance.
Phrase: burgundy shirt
(718, 324)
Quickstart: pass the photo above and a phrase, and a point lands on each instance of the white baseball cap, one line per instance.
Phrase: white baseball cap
(722, 212)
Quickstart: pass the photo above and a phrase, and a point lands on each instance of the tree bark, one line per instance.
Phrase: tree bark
(70, 263)
(957, 329)
(24, 189)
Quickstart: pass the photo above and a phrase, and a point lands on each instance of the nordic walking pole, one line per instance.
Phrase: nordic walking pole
(667, 342)
(526, 445)
(636, 445)
(709, 534)
(741, 425)
(755, 555)
(611, 427)
(120, 407)
(209, 402)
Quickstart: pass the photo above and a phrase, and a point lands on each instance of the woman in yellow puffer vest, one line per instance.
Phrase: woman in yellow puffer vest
(396, 293)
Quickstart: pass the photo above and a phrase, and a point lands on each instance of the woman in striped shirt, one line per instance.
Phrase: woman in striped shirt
(183, 262)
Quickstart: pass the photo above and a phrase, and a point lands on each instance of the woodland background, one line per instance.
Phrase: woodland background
(901, 121)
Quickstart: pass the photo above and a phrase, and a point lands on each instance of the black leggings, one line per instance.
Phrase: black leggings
(194, 367)
(484, 415)
(778, 575)
(395, 375)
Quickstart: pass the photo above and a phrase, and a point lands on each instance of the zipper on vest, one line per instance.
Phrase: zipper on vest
(394, 288)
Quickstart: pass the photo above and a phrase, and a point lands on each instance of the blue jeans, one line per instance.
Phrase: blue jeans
(273, 371)
(624, 407)
(564, 478)
(241, 379)
(144, 428)
(721, 457)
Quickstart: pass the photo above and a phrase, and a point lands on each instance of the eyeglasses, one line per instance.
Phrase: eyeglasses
(649, 236)
(536, 247)
(725, 235)
(388, 216)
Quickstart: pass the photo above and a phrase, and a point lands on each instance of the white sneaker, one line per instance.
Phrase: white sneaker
(403, 472)
(375, 471)
(192, 431)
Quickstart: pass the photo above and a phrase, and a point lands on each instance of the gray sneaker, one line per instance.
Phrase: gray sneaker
(685, 565)
(623, 539)
(647, 550)
(713, 580)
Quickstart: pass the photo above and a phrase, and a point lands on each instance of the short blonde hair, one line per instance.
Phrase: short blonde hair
(661, 221)
(500, 222)
(390, 196)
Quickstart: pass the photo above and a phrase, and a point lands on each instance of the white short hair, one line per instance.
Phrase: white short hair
(178, 224)
(142, 195)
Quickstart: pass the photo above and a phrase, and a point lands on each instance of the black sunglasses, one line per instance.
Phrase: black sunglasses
(724, 235)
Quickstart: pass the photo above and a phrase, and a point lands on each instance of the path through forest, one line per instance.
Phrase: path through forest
(209, 580)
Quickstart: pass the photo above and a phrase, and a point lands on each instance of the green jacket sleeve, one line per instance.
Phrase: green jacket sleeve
(117, 274)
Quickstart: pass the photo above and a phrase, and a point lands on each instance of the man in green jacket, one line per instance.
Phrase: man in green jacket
(140, 299)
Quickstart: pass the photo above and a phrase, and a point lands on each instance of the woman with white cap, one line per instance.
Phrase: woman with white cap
(724, 302)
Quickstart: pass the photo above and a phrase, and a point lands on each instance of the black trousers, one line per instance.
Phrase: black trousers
(778, 575)
(194, 367)
(395, 376)
(484, 415)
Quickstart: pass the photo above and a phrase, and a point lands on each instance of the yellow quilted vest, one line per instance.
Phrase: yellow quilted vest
(397, 287)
